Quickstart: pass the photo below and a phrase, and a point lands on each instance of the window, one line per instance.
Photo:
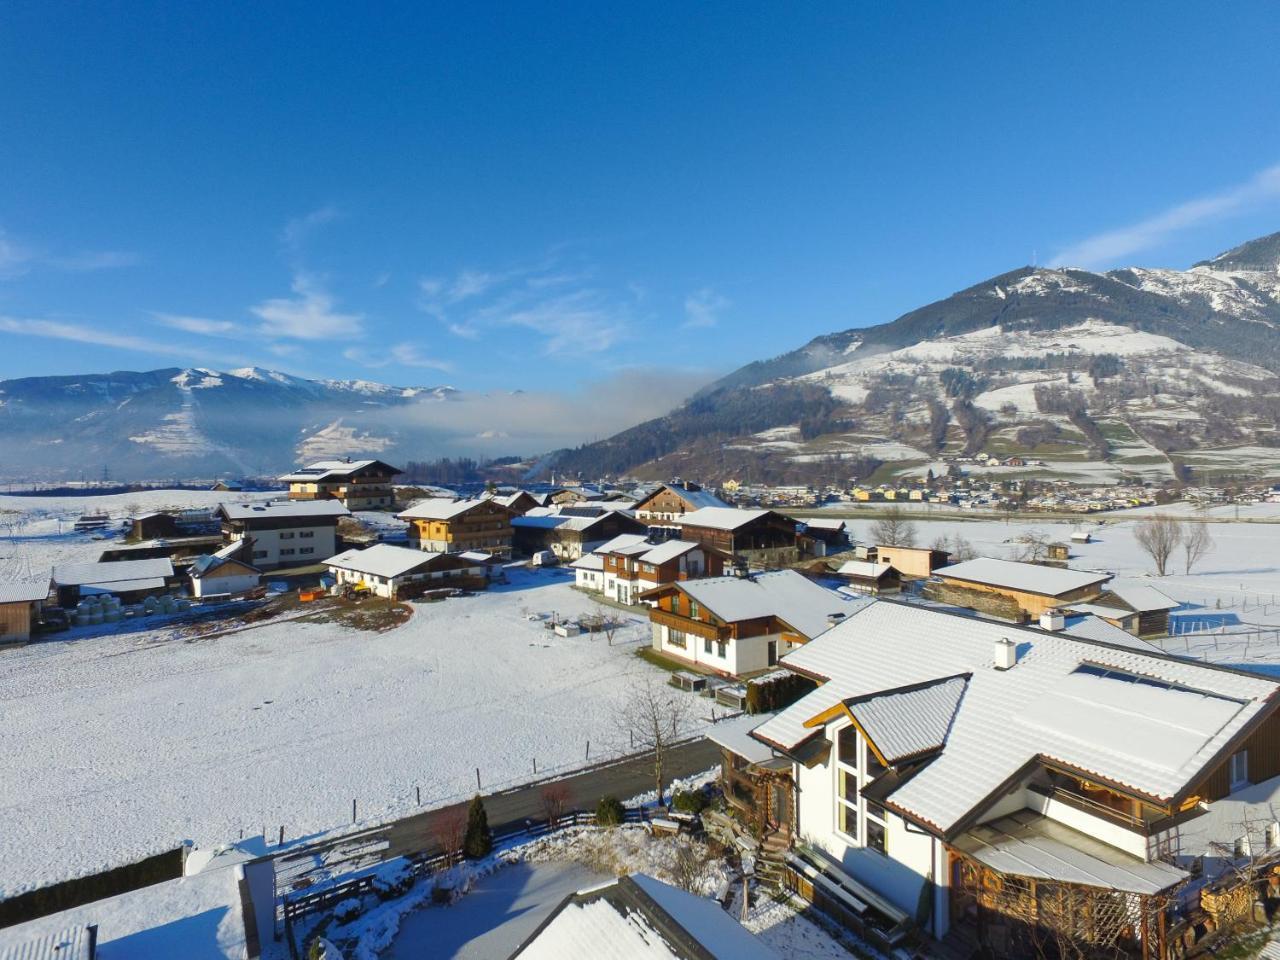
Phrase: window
(676, 639)
(307, 533)
(307, 550)
(847, 743)
(706, 644)
(693, 608)
(259, 554)
(286, 535)
(874, 766)
(847, 782)
(1239, 769)
(286, 551)
(875, 835)
(721, 649)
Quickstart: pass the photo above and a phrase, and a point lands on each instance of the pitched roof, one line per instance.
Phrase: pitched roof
(1142, 598)
(332, 469)
(113, 573)
(439, 508)
(1090, 627)
(720, 518)
(588, 561)
(785, 594)
(910, 722)
(1063, 700)
(1026, 577)
(863, 568)
(668, 551)
(696, 499)
(24, 590)
(623, 541)
(640, 918)
(382, 560)
(283, 509)
(219, 558)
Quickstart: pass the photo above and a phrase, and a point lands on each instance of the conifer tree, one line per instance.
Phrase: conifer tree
(479, 838)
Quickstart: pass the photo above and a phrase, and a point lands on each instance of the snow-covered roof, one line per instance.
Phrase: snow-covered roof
(212, 561)
(1090, 627)
(382, 560)
(640, 918)
(720, 518)
(113, 572)
(824, 523)
(438, 508)
(24, 590)
(1064, 699)
(588, 561)
(72, 943)
(558, 522)
(1026, 577)
(697, 499)
(1026, 844)
(863, 568)
(908, 723)
(623, 541)
(785, 594)
(668, 551)
(735, 736)
(284, 509)
(330, 469)
(1144, 599)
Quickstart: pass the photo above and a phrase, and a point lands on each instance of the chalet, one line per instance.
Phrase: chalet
(441, 525)
(640, 918)
(398, 572)
(20, 603)
(1013, 590)
(870, 578)
(570, 537)
(633, 565)
(1140, 610)
(519, 503)
(356, 484)
(283, 533)
(963, 776)
(918, 562)
(130, 580)
(671, 501)
(223, 572)
(741, 625)
(227, 486)
(761, 536)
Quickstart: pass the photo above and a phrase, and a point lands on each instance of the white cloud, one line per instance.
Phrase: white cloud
(703, 308)
(402, 354)
(299, 229)
(96, 336)
(204, 326)
(18, 258)
(308, 316)
(1111, 246)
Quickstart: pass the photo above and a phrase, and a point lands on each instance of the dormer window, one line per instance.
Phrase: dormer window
(1239, 770)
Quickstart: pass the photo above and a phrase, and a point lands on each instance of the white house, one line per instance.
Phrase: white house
(742, 625)
(388, 571)
(284, 533)
(588, 573)
(222, 572)
(948, 767)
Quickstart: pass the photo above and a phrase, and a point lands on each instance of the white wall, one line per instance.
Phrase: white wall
(589, 579)
(207, 586)
(741, 656)
(308, 545)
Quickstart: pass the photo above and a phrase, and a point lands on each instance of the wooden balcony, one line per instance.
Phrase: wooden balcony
(696, 628)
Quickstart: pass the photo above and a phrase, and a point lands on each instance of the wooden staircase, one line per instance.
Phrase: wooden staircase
(771, 858)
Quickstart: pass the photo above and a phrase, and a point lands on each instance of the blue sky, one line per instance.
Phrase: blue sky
(536, 196)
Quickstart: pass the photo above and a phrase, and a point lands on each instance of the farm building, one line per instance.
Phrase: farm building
(671, 501)
(442, 525)
(20, 602)
(130, 580)
(397, 572)
(1014, 590)
(223, 572)
(568, 536)
(873, 579)
(917, 562)
(759, 536)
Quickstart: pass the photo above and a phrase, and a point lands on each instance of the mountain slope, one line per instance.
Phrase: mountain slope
(197, 422)
(1132, 372)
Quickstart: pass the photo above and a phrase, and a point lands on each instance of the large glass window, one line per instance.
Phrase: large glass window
(847, 743)
(847, 783)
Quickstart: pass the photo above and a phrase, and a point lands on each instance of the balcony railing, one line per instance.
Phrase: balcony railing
(687, 625)
(1089, 805)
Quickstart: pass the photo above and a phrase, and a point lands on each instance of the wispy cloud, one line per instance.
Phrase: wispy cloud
(571, 314)
(703, 308)
(298, 230)
(402, 354)
(19, 257)
(95, 336)
(1111, 246)
(204, 326)
(309, 315)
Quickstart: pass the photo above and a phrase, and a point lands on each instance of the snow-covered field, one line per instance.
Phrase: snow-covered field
(122, 745)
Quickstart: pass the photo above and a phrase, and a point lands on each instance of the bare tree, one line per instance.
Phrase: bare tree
(1159, 537)
(688, 865)
(1196, 542)
(893, 529)
(555, 801)
(449, 828)
(956, 546)
(656, 715)
(1032, 546)
(608, 621)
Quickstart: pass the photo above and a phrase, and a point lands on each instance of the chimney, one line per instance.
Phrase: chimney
(1006, 653)
(835, 619)
(1052, 620)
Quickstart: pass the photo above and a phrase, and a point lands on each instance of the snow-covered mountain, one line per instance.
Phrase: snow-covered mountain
(1132, 372)
(197, 422)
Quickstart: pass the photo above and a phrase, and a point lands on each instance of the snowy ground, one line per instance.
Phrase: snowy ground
(118, 746)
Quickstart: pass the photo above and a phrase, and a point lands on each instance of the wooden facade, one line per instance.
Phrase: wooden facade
(669, 503)
(569, 541)
(485, 527)
(15, 621)
(1000, 598)
(916, 562)
(769, 531)
(366, 486)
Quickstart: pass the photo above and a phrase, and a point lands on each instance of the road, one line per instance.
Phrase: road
(507, 810)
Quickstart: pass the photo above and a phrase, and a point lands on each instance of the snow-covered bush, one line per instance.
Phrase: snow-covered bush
(347, 910)
(322, 949)
(610, 812)
(393, 880)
